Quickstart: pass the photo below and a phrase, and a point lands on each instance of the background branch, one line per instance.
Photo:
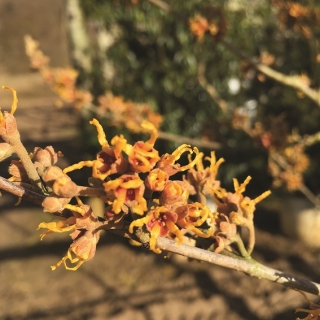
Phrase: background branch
(292, 81)
(211, 90)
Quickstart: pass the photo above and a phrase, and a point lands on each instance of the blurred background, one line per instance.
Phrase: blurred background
(192, 68)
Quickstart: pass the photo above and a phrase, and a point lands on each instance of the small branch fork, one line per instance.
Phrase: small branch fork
(248, 266)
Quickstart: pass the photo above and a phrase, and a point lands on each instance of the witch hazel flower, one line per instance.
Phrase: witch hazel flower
(195, 215)
(128, 191)
(203, 179)
(160, 222)
(109, 160)
(143, 156)
(167, 166)
(85, 227)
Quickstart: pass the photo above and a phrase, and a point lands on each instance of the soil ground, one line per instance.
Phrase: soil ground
(123, 282)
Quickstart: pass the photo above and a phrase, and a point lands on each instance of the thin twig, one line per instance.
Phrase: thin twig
(21, 192)
(162, 5)
(195, 142)
(248, 266)
(293, 81)
(211, 90)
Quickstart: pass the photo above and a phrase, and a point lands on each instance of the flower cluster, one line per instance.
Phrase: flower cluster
(295, 16)
(287, 157)
(211, 22)
(63, 82)
(126, 113)
(142, 198)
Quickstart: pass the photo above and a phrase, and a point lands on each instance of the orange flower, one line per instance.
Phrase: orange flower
(37, 57)
(17, 171)
(128, 113)
(6, 150)
(128, 190)
(238, 207)
(194, 215)
(167, 161)
(109, 161)
(160, 222)
(175, 194)
(156, 180)
(85, 228)
(45, 157)
(57, 226)
(142, 156)
(199, 26)
(204, 179)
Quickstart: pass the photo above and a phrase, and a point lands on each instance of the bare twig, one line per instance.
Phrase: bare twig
(21, 192)
(161, 4)
(290, 81)
(211, 90)
(293, 81)
(248, 266)
(195, 142)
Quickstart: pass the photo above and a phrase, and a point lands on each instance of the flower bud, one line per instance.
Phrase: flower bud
(17, 171)
(65, 187)
(175, 194)
(51, 175)
(8, 127)
(8, 123)
(53, 204)
(156, 180)
(6, 150)
(46, 157)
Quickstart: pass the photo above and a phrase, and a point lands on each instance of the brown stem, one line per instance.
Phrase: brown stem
(84, 191)
(21, 192)
(196, 142)
(201, 197)
(293, 81)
